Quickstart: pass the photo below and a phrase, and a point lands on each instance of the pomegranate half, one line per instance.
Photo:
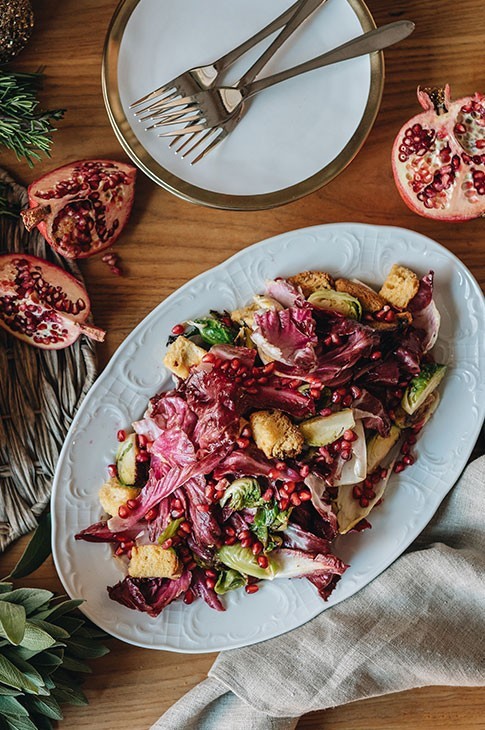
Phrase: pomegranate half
(42, 304)
(438, 157)
(81, 208)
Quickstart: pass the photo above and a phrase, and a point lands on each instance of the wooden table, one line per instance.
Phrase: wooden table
(168, 241)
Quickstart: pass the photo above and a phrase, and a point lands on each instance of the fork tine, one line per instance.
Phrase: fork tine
(209, 147)
(190, 138)
(168, 97)
(184, 130)
(161, 90)
(167, 103)
(208, 133)
(174, 114)
(174, 120)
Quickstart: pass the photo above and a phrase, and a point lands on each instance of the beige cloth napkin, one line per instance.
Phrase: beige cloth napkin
(420, 623)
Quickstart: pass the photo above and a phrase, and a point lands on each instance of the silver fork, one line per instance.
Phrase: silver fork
(217, 112)
(201, 78)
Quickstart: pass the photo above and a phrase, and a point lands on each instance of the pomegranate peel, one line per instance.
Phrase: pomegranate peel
(438, 157)
(42, 304)
(81, 208)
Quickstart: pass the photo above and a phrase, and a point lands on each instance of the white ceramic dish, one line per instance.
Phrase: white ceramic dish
(295, 137)
(136, 372)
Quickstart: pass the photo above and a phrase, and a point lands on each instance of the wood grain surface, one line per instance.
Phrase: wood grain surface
(168, 241)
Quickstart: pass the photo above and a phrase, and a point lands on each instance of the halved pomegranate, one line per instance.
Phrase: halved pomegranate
(81, 208)
(438, 157)
(42, 304)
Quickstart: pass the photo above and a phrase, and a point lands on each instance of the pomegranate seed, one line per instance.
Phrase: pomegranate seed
(335, 338)
(230, 540)
(230, 531)
(132, 504)
(357, 492)
(178, 329)
(405, 448)
(191, 565)
(202, 507)
(177, 513)
(290, 487)
(244, 534)
(167, 544)
(408, 460)
(269, 368)
(327, 341)
(123, 512)
(210, 583)
(251, 391)
(274, 474)
(262, 380)
(113, 470)
(305, 495)
(209, 491)
(336, 398)
(349, 435)
(211, 573)
(364, 502)
(356, 391)
(252, 588)
(390, 316)
(242, 442)
(121, 435)
(225, 365)
(142, 441)
(283, 493)
(219, 495)
(268, 495)
(189, 597)
(119, 551)
(263, 561)
(151, 515)
(326, 412)
(347, 401)
(376, 355)
(235, 363)
(246, 543)
(209, 357)
(412, 440)
(383, 473)
(315, 392)
(143, 456)
(295, 499)
(370, 494)
(304, 471)
(280, 465)
(246, 432)
(284, 504)
(257, 548)
(346, 454)
(177, 504)
(398, 467)
(186, 527)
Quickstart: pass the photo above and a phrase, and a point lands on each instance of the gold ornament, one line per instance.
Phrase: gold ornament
(16, 23)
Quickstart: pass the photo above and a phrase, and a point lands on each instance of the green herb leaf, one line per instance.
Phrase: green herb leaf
(30, 598)
(47, 706)
(38, 548)
(69, 695)
(36, 639)
(59, 609)
(86, 648)
(12, 676)
(75, 665)
(57, 633)
(12, 622)
(11, 706)
(19, 723)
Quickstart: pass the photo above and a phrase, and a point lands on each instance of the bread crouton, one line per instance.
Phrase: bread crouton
(152, 561)
(113, 494)
(371, 301)
(275, 434)
(245, 315)
(402, 320)
(181, 355)
(400, 287)
(311, 281)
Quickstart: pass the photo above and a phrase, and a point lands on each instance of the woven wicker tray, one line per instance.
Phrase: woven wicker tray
(40, 391)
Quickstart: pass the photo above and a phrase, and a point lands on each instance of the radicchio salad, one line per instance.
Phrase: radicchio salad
(285, 422)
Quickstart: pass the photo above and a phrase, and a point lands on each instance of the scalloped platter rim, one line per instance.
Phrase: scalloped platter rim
(136, 372)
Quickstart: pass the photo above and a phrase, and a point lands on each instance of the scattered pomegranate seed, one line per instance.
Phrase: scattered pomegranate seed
(230, 531)
(189, 597)
(398, 467)
(219, 495)
(257, 548)
(186, 527)
(230, 540)
(268, 495)
(412, 439)
(347, 401)
(209, 357)
(349, 435)
(121, 435)
(191, 565)
(305, 495)
(383, 473)
(295, 499)
(132, 504)
(304, 471)
(235, 363)
(143, 456)
(178, 329)
(123, 512)
(274, 474)
(176, 514)
(280, 465)
(251, 391)
(335, 339)
(119, 551)
(290, 487)
(346, 454)
(167, 543)
(141, 441)
(376, 355)
(225, 365)
(242, 442)
(390, 316)
(177, 504)
(326, 412)
(246, 542)
(336, 398)
(246, 432)
(284, 504)
(253, 588)
(151, 515)
(263, 561)
(269, 368)
(408, 459)
(315, 392)
(262, 380)
(202, 508)
(356, 391)
(113, 470)
(211, 573)
(244, 534)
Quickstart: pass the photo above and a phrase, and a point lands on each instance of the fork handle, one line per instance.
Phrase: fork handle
(305, 8)
(228, 59)
(374, 40)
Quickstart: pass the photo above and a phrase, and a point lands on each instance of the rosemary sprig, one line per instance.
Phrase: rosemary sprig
(24, 128)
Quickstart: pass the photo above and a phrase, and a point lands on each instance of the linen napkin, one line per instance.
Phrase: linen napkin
(420, 623)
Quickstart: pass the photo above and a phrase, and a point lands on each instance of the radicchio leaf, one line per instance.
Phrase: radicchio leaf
(149, 595)
(289, 563)
(285, 293)
(370, 409)
(296, 537)
(287, 336)
(252, 462)
(199, 587)
(100, 532)
(324, 583)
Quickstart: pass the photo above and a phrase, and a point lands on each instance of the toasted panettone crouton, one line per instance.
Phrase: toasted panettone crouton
(311, 281)
(181, 355)
(245, 315)
(371, 301)
(152, 561)
(275, 434)
(400, 287)
(113, 494)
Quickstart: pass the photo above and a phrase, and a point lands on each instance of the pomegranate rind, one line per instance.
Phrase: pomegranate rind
(461, 201)
(120, 210)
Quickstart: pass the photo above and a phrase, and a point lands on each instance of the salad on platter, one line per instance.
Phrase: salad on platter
(285, 422)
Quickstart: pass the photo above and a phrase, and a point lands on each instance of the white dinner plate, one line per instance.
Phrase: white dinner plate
(294, 138)
(136, 372)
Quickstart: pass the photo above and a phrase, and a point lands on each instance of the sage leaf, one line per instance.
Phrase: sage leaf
(30, 598)
(86, 648)
(19, 723)
(71, 695)
(56, 632)
(12, 622)
(36, 639)
(75, 665)
(47, 706)
(60, 609)
(37, 550)
(11, 706)
(14, 677)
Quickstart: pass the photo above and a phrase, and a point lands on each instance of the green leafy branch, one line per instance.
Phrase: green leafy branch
(24, 128)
